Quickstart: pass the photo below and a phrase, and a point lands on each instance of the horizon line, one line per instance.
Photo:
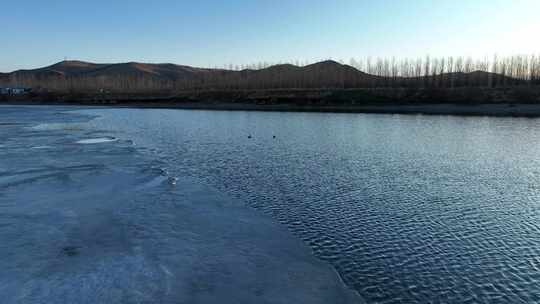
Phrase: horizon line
(356, 62)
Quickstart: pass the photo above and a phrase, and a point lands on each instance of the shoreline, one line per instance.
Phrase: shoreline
(486, 109)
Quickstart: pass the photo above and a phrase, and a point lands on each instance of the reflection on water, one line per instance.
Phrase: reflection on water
(406, 208)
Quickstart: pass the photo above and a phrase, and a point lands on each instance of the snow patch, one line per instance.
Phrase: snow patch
(97, 140)
(42, 147)
(57, 126)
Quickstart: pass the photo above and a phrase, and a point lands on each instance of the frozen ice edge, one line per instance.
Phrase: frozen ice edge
(267, 232)
(291, 273)
(219, 251)
(204, 195)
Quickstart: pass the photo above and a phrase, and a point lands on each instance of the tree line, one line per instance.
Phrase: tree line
(424, 72)
(436, 71)
(449, 71)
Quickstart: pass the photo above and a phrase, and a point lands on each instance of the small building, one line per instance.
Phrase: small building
(14, 90)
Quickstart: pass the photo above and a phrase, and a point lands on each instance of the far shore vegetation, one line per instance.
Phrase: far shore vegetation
(510, 79)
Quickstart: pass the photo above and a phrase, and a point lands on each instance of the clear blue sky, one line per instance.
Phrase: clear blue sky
(209, 33)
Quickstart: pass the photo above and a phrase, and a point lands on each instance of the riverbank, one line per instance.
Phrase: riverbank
(520, 101)
(498, 109)
(502, 110)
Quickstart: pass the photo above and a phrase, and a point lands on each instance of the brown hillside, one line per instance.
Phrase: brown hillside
(134, 77)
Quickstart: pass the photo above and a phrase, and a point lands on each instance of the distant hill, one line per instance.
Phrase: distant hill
(134, 77)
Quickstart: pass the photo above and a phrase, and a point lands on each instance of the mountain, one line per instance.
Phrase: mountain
(134, 77)
(81, 69)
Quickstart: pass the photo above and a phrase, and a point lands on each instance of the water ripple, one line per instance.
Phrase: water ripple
(406, 208)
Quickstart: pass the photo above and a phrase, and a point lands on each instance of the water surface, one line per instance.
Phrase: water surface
(406, 208)
(86, 216)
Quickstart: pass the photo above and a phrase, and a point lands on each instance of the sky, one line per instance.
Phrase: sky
(218, 33)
